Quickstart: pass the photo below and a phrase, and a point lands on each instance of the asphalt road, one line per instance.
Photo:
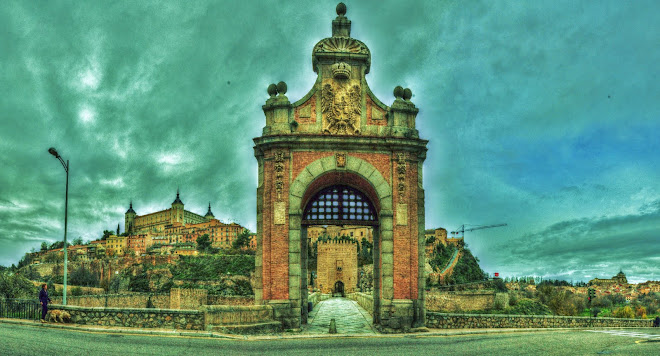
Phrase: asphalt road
(34, 340)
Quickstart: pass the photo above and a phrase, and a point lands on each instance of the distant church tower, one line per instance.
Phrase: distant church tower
(129, 219)
(177, 209)
(209, 215)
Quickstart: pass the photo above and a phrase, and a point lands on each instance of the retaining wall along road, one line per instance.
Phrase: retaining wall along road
(479, 321)
(136, 317)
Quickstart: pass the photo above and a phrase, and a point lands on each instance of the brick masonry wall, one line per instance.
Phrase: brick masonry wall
(237, 315)
(478, 321)
(229, 300)
(138, 300)
(459, 301)
(184, 298)
(136, 317)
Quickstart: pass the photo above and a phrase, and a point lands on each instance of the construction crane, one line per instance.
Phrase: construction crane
(462, 229)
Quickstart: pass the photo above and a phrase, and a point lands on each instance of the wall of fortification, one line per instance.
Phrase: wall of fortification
(337, 261)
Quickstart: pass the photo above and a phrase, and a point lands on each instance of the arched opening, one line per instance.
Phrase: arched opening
(339, 289)
(340, 233)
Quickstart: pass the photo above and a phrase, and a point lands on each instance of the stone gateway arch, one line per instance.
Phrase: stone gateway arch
(341, 156)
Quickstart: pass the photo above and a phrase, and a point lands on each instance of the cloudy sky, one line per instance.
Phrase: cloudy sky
(540, 114)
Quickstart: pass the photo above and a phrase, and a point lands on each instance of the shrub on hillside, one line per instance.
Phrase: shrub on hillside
(17, 286)
(624, 312)
(525, 306)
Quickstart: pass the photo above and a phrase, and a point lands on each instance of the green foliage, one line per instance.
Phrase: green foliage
(467, 270)
(525, 306)
(601, 302)
(365, 253)
(82, 276)
(139, 282)
(441, 256)
(106, 234)
(624, 312)
(44, 246)
(212, 267)
(16, 286)
(77, 241)
(595, 311)
(242, 240)
(76, 291)
(203, 243)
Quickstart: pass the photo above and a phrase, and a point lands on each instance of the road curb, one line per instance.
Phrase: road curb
(206, 334)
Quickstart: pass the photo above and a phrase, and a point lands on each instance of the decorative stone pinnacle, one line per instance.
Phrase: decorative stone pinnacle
(281, 88)
(272, 90)
(398, 92)
(341, 26)
(341, 9)
(407, 94)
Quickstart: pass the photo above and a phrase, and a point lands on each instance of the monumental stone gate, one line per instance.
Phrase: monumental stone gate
(340, 156)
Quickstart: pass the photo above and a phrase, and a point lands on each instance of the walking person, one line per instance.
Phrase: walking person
(43, 299)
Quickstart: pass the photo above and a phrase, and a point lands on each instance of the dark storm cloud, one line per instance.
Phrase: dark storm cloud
(537, 112)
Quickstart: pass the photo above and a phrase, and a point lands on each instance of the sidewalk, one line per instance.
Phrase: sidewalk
(207, 334)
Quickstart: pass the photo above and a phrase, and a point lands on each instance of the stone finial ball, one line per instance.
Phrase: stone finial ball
(341, 9)
(281, 88)
(398, 91)
(407, 94)
(272, 90)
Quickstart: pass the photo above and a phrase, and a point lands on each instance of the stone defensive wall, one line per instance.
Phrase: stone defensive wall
(479, 321)
(464, 301)
(137, 300)
(178, 298)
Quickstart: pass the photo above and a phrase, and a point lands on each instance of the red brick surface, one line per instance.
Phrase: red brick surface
(382, 162)
(307, 120)
(303, 159)
(275, 240)
(371, 107)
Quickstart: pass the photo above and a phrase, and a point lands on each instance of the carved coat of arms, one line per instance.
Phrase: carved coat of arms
(340, 105)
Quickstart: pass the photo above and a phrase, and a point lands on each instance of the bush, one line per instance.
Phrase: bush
(595, 311)
(601, 302)
(526, 306)
(76, 291)
(640, 312)
(513, 299)
(624, 312)
(17, 286)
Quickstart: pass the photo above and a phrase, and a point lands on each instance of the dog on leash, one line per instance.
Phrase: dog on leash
(58, 315)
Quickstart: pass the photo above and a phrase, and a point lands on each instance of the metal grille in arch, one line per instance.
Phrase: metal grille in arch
(340, 203)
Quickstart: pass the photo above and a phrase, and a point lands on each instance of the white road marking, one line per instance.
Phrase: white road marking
(627, 333)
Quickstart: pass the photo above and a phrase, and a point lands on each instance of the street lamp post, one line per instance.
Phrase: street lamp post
(53, 151)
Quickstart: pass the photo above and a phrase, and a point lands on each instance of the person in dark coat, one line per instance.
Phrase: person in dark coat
(43, 299)
(656, 322)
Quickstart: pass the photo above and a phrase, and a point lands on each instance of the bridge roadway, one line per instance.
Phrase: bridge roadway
(349, 316)
(39, 339)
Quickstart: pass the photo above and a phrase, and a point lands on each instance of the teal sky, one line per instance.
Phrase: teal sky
(544, 115)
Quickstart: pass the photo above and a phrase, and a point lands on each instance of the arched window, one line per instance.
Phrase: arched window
(340, 203)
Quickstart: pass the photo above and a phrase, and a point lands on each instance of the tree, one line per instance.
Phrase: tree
(77, 241)
(44, 246)
(106, 234)
(203, 243)
(242, 240)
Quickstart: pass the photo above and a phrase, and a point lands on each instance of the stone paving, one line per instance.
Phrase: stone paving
(350, 318)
